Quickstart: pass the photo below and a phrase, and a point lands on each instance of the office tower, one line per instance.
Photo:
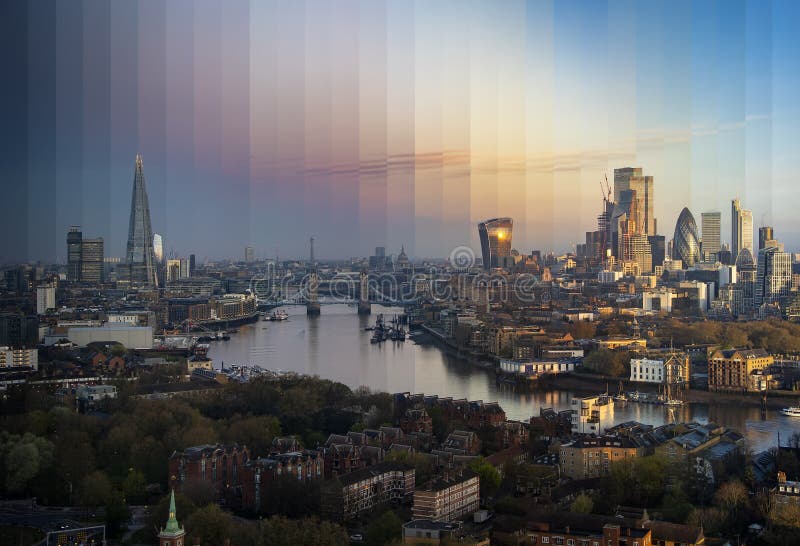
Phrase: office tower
(311, 253)
(657, 249)
(741, 229)
(773, 276)
(495, 236)
(18, 330)
(173, 270)
(92, 260)
(74, 238)
(724, 257)
(684, 242)
(746, 277)
(641, 252)
(45, 298)
(192, 265)
(764, 234)
(249, 254)
(158, 247)
(184, 268)
(711, 245)
(140, 255)
(632, 179)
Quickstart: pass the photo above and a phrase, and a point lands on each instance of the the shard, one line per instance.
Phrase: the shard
(140, 256)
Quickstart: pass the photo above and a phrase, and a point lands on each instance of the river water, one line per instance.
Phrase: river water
(335, 346)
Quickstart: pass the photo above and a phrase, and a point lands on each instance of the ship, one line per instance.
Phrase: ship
(793, 411)
(277, 316)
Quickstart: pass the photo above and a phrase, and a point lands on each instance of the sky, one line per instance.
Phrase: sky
(387, 122)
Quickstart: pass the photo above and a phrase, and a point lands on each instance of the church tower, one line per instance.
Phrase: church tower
(173, 534)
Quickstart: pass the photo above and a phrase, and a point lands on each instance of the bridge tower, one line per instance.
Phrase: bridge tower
(364, 306)
(312, 303)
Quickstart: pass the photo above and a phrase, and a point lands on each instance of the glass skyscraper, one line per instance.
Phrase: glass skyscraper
(495, 236)
(140, 255)
(711, 222)
(684, 242)
(631, 178)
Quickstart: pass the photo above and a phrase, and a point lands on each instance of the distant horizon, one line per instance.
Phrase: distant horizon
(386, 123)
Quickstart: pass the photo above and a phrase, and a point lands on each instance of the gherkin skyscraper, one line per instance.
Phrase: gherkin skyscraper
(140, 256)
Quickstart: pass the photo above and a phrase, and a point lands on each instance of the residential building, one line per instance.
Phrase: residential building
(87, 396)
(534, 368)
(731, 370)
(350, 495)
(591, 457)
(786, 492)
(45, 298)
(672, 368)
(303, 466)
(18, 358)
(704, 447)
(589, 414)
(18, 330)
(448, 498)
(591, 534)
(430, 532)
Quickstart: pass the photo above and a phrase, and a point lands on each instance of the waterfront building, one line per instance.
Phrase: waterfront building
(140, 256)
(531, 368)
(448, 498)
(773, 275)
(350, 495)
(710, 229)
(732, 370)
(632, 179)
(671, 369)
(703, 447)
(172, 534)
(685, 246)
(591, 457)
(495, 237)
(590, 413)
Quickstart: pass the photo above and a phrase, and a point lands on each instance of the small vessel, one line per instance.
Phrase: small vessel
(620, 398)
(278, 316)
(794, 411)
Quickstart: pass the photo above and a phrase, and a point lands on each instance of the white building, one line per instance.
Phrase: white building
(592, 414)
(45, 298)
(132, 337)
(18, 358)
(609, 277)
(658, 300)
(536, 367)
(646, 370)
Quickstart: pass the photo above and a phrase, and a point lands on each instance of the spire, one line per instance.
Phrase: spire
(172, 522)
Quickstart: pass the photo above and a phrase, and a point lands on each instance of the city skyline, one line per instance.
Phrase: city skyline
(332, 123)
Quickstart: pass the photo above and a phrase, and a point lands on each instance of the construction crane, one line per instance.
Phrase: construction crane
(609, 188)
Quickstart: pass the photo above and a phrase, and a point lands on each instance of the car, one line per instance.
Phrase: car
(357, 537)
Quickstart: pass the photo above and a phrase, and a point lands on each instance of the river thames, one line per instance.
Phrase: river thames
(336, 346)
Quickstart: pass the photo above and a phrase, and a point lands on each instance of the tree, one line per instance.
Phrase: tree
(117, 513)
(134, 487)
(279, 531)
(209, 525)
(384, 529)
(199, 492)
(582, 329)
(582, 504)
(254, 432)
(24, 458)
(488, 474)
(96, 489)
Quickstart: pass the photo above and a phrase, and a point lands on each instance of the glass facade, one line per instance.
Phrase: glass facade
(684, 243)
(140, 255)
(495, 236)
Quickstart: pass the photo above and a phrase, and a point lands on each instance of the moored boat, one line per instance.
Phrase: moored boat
(791, 412)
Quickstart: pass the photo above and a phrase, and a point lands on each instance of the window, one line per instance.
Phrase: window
(571, 542)
(545, 540)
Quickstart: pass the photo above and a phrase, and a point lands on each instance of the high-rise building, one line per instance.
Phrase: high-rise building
(746, 277)
(630, 178)
(140, 255)
(710, 226)
(764, 234)
(18, 330)
(684, 242)
(774, 275)
(158, 247)
(45, 298)
(249, 254)
(192, 265)
(92, 260)
(657, 249)
(74, 238)
(495, 236)
(741, 229)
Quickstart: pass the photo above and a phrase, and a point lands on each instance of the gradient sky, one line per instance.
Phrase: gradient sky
(367, 123)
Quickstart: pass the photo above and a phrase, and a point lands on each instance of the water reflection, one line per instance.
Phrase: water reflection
(336, 346)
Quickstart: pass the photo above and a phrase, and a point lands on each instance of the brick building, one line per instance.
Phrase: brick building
(733, 370)
(215, 464)
(349, 495)
(449, 498)
(303, 466)
(591, 457)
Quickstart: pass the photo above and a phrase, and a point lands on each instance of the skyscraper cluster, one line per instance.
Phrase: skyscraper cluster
(84, 257)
